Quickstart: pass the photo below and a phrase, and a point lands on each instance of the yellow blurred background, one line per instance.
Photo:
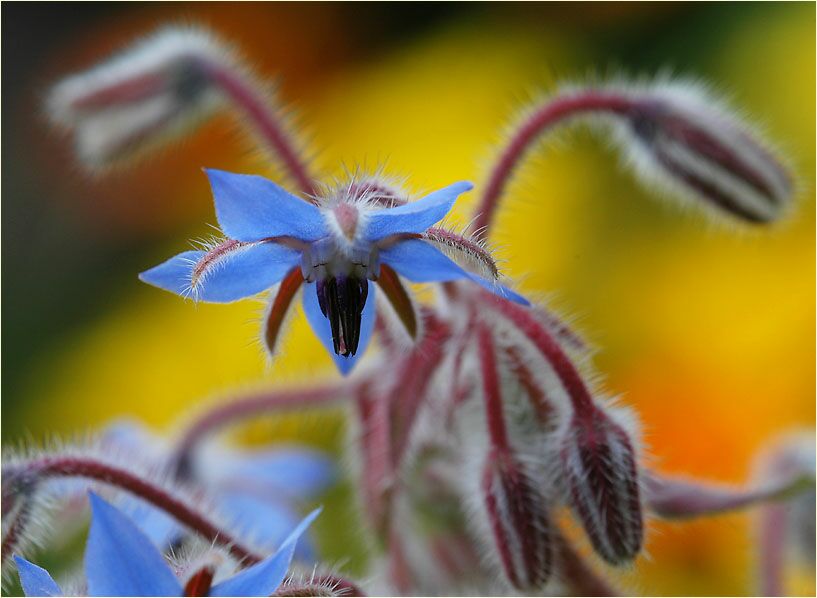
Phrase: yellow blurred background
(707, 332)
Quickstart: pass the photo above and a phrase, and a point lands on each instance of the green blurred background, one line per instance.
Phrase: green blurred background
(707, 332)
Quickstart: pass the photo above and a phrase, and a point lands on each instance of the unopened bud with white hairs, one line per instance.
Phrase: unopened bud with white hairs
(679, 137)
(154, 90)
(600, 469)
(517, 514)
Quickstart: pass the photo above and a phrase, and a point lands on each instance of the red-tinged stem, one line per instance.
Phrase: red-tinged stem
(253, 405)
(459, 389)
(539, 121)
(265, 122)
(398, 566)
(578, 576)
(14, 533)
(536, 395)
(772, 544)
(491, 390)
(374, 413)
(673, 498)
(527, 323)
(416, 372)
(322, 585)
(87, 467)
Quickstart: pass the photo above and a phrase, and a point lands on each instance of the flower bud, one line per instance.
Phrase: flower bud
(600, 470)
(154, 89)
(519, 521)
(679, 137)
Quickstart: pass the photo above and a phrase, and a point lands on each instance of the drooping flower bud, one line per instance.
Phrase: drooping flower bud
(517, 513)
(679, 137)
(601, 473)
(154, 89)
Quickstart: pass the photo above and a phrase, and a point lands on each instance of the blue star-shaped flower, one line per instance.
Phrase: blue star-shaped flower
(121, 561)
(336, 247)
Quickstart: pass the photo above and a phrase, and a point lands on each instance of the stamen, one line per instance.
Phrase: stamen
(342, 299)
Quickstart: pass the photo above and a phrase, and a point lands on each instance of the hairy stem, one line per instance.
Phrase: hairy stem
(264, 122)
(675, 499)
(44, 468)
(491, 391)
(245, 408)
(540, 120)
(538, 334)
(14, 532)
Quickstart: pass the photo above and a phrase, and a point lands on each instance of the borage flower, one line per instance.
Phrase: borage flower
(121, 561)
(337, 246)
(257, 491)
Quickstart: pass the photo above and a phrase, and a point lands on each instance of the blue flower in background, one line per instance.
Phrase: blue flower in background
(120, 560)
(337, 248)
(257, 491)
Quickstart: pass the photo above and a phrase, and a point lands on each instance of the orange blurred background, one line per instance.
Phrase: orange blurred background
(707, 332)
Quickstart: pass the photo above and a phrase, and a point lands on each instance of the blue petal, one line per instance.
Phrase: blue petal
(262, 579)
(416, 216)
(323, 330)
(422, 262)
(120, 560)
(160, 528)
(251, 208)
(35, 580)
(296, 473)
(244, 273)
(265, 519)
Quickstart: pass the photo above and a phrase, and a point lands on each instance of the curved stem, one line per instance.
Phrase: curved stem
(538, 334)
(14, 533)
(264, 120)
(247, 407)
(88, 467)
(540, 120)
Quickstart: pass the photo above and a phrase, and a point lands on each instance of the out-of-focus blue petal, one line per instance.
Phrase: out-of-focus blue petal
(265, 520)
(415, 216)
(293, 472)
(243, 273)
(251, 208)
(323, 330)
(120, 560)
(160, 528)
(262, 579)
(422, 262)
(35, 580)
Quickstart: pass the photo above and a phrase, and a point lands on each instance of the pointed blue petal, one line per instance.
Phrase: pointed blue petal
(262, 579)
(268, 521)
(120, 560)
(295, 473)
(422, 262)
(416, 216)
(251, 208)
(244, 273)
(323, 330)
(35, 580)
(499, 289)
